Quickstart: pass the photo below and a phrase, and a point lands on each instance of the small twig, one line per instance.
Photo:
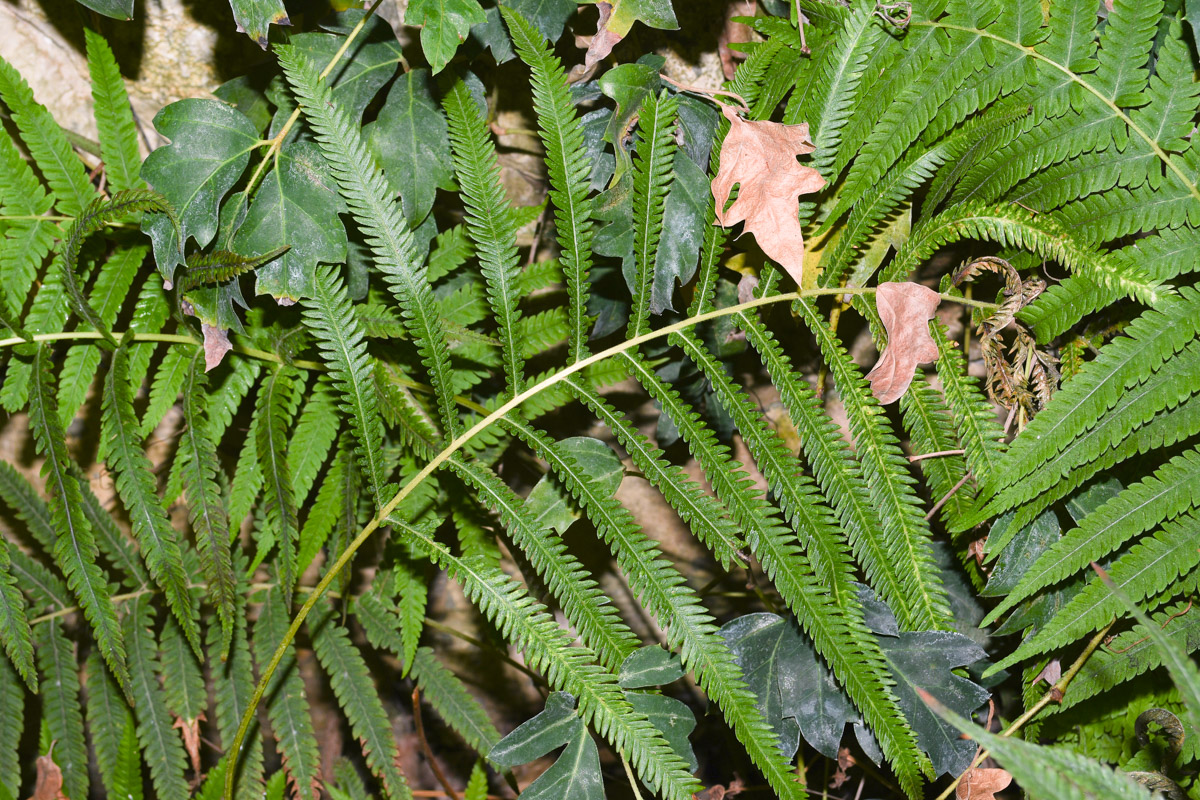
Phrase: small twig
(1053, 695)
(712, 93)
(800, 25)
(923, 456)
(882, 10)
(1168, 621)
(949, 494)
(632, 780)
(433, 765)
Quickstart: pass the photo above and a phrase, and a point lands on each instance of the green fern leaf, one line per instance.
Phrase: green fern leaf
(477, 786)
(47, 144)
(1149, 567)
(222, 266)
(974, 416)
(443, 690)
(1152, 343)
(548, 649)
(276, 406)
(315, 432)
(107, 714)
(135, 485)
(328, 314)
(339, 483)
(905, 532)
(358, 699)
(183, 679)
(206, 509)
(247, 476)
(61, 704)
(233, 677)
(287, 707)
(75, 548)
(569, 171)
(127, 773)
(1172, 490)
(1014, 227)
(46, 591)
(159, 741)
(652, 176)
(27, 242)
(114, 545)
(369, 199)
(114, 117)
(14, 625)
(12, 724)
(490, 221)
(931, 429)
(165, 387)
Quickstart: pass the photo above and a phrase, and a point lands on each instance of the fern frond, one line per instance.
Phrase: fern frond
(652, 177)
(135, 484)
(127, 774)
(368, 197)
(47, 592)
(114, 545)
(708, 520)
(183, 679)
(328, 314)
(277, 404)
(14, 624)
(355, 692)
(1148, 568)
(443, 690)
(107, 713)
(311, 440)
(75, 549)
(1151, 344)
(222, 266)
(1111, 215)
(114, 117)
(12, 725)
(27, 242)
(568, 168)
(974, 417)
(206, 508)
(813, 578)
(905, 532)
(663, 592)
(489, 219)
(1172, 490)
(287, 704)
(583, 602)
(61, 704)
(931, 429)
(165, 387)
(247, 477)
(30, 509)
(1012, 226)
(47, 144)
(233, 677)
(108, 296)
(323, 513)
(156, 735)
(548, 649)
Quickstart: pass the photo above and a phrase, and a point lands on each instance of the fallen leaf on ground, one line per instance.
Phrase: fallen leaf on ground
(216, 345)
(760, 157)
(49, 779)
(905, 309)
(982, 784)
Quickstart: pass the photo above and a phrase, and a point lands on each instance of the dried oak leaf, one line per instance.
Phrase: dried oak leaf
(905, 309)
(49, 779)
(761, 157)
(982, 784)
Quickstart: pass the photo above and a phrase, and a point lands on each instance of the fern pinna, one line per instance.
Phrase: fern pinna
(273, 479)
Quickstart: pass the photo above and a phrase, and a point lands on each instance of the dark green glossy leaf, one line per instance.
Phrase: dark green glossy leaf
(244, 94)
(366, 67)
(444, 26)
(254, 17)
(411, 142)
(553, 506)
(210, 147)
(674, 719)
(1022, 551)
(297, 205)
(117, 9)
(574, 776)
(767, 648)
(628, 85)
(649, 666)
(685, 219)
(553, 727)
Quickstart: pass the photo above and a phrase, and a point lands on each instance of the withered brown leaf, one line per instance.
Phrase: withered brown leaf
(982, 784)
(216, 345)
(905, 309)
(49, 785)
(761, 157)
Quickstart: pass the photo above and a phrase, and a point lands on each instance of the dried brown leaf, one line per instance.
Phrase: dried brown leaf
(604, 41)
(760, 157)
(982, 784)
(905, 309)
(190, 730)
(49, 785)
(216, 345)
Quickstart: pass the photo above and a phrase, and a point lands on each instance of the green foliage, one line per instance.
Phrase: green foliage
(440, 405)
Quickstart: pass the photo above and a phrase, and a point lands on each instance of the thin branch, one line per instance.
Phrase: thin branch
(433, 765)
(949, 494)
(938, 454)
